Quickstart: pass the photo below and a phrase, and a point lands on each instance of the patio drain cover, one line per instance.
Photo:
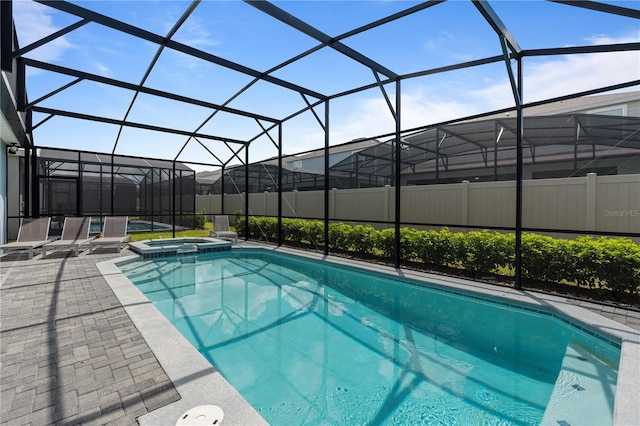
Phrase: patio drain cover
(202, 415)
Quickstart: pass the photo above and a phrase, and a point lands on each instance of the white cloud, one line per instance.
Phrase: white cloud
(369, 116)
(423, 105)
(102, 69)
(563, 75)
(195, 33)
(372, 117)
(34, 21)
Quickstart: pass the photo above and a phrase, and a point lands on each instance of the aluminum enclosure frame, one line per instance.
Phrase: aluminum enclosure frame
(13, 59)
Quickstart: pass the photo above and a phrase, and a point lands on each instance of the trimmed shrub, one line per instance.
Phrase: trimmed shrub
(429, 248)
(339, 235)
(586, 259)
(362, 239)
(619, 264)
(313, 232)
(613, 263)
(545, 258)
(483, 251)
(293, 230)
(385, 241)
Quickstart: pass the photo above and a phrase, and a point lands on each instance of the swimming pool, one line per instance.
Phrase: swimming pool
(304, 343)
(135, 226)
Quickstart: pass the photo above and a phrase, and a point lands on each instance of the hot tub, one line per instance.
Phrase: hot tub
(179, 246)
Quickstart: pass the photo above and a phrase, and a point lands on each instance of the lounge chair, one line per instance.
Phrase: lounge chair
(114, 233)
(33, 233)
(221, 228)
(75, 233)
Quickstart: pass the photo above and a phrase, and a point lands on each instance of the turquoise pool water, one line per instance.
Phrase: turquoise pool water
(309, 343)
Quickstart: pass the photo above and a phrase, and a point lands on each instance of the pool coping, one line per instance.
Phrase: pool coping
(193, 377)
(199, 383)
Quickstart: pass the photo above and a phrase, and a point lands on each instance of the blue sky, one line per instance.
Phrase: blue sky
(442, 35)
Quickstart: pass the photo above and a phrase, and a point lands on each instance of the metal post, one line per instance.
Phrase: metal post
(576, 128)
(398, 152)
(246, 192)
(519, 161)
(79, 195)
(437, 155)
(173, 198)
(21, 85)
(153, 215)
(221, 191)
(357, 183)
(279, 184)
(327, 181)
(195, 189)
(495, 151)
(27, 184)
(35, 185)
(113, 187)
(100, 195)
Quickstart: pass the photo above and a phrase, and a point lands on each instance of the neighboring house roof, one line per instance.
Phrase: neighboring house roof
(483, 141)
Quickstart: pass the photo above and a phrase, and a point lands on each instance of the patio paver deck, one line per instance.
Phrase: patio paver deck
(69, 353)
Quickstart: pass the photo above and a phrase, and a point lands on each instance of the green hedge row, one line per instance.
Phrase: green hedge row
(604, 262)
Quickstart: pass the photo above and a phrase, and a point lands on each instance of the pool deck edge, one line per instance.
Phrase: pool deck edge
(197, 382)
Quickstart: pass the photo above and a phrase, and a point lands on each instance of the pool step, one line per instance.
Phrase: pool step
(583, 393)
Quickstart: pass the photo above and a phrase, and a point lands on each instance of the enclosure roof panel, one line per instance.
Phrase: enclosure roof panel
(347, 66)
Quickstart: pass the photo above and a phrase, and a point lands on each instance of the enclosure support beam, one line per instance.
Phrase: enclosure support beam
(398, 152)
(497, 134)
(173, 199)
(246, 193)
(222, 211)
(27, 183)
(79, 194)
(112, 194)
(516, 88)
(24, 50)
(131, 124)
(101, 207)
(35, 186)
(152, 64)
(601, 7)
(6, 35)
(153, 204)
(138, 89)
(576, 133)
(279, 185)
(300, 25)
(21, 86)
(157, 39)
(496, 23)
(519, 161)
(438, 155)
(327, 180)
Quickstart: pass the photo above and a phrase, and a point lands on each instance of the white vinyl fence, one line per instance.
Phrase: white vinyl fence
(591, 203)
